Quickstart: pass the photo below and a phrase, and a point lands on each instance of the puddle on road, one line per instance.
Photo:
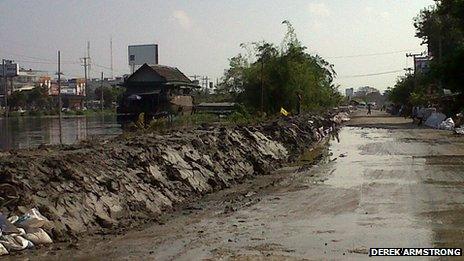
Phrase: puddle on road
(447, 226)
(443, 159)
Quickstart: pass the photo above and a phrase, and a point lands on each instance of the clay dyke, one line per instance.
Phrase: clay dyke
(87, 188)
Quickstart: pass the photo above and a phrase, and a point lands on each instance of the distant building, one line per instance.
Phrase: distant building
(46, 82)
(365, 90)
(157, 90)
(68, 87)
(349, 92)
(78, 85)
(27, 79)
(422, 64)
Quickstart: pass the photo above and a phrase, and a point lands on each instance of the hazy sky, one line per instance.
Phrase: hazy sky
(199, 36)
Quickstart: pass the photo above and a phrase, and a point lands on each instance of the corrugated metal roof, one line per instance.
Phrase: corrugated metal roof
(171, 74)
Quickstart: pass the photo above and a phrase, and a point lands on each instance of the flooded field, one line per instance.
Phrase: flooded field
(30, 132)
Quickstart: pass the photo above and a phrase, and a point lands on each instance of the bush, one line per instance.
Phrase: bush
(238, 118)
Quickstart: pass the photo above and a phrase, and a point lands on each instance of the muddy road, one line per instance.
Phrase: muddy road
(386, 183)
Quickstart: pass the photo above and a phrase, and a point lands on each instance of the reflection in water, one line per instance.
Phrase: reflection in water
(30, 132)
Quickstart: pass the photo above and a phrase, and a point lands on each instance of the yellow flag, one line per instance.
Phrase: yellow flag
(283, 111)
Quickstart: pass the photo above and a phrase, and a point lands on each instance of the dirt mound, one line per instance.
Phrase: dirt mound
(88, 188)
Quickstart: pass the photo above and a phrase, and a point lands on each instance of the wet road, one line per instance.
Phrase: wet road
(395, 186)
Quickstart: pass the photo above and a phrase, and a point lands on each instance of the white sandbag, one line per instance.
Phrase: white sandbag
(21, 232)
(447, 124)
(3, 250)
(15, 243)
(435, 119)
(6, 227)
(31, 219)
(38, 236)
(23, 241)
(13, 219)
(459, 130)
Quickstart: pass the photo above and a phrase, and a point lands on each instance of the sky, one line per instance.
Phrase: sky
(359, 37)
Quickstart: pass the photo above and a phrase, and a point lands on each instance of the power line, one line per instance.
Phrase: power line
(43, 62)
(370, 74)
(51, 61)
(369, 54)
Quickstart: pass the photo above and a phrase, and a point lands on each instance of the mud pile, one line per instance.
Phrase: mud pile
(89, 188)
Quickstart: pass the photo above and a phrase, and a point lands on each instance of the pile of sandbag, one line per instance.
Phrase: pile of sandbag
(24, 232)
(438, 120)
(447, 124)
(341, 117)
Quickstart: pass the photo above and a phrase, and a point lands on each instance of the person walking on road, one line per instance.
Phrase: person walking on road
(369, 112)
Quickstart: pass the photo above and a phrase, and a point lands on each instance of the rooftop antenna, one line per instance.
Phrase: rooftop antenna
(88, 57)
(111, 50)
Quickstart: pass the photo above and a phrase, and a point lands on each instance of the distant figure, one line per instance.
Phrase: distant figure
(414, 112)
(420, 115)
(369, 112)
(400, 112)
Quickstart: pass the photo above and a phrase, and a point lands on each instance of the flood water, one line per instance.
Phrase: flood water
(31, 132)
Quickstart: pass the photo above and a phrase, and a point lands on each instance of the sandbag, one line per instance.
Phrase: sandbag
(447, 124)
(3, 250)
(459, 130)
(15, 243)
(38, 236)
(6, 227)
(13, 219)
(32, 219)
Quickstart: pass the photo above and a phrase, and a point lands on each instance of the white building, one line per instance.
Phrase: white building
(349, 92)
(28, 79)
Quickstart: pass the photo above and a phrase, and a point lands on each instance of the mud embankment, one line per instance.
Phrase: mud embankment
(91, 188)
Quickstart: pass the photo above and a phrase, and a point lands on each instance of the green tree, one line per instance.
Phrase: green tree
(441, 27)
(110, 95)
(283, 74)
(38, 98)
(17, 99)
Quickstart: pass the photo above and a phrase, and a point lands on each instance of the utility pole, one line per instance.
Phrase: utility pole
(88, 58)
(414, 57)
(85, 64)
(415, 66)
(60, 105)
(5, 88)
(101, 91)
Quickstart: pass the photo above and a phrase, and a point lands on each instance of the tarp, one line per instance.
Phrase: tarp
(435, 119)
